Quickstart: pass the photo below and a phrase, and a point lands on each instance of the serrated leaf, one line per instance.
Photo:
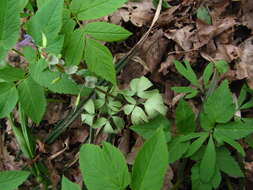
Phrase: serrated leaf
(99, 60)
(9, 25)
(207, 164)
(66, 184)
(147, 130)
(235, 130)
(93, 9)
(207, 74)
(10, 180)
(227, 163)
(185, 118)
(8, 100)
(106, 32)
(47, 20)
(150, 164)
(195, 146)
(103, 168)
(187, 72)
(219, 106)
(32, 99)
(11, 74)
(203, 14)
(177, 148)
(74, 48)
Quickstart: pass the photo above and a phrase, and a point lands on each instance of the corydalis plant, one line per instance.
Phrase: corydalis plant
(137, 102)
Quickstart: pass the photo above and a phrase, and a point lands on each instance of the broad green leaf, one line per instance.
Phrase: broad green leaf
(155, 106)
(68, 25)
(197, 184)
(139, 85)
(235, 130)
(66, 184)
(8, 100)
(207, 74)
(75, 47)
(216, 180)
(10, 74)
(10, 180)
(206, 122)
(187, 72)
(203, 14)
(93, 9)
(242, 96)
(103, 168)
(227, 163)
(191, 136)
(147, 130)
(177, 148)
(47, 20)
(207, 164)
(249, 140)
(30, 54)
(185, 118)
(99, 60)
(106, 32)
(222, 66)
(9, 25)
(231, 142)
(5, 86)
(189, 91)
(22, 4)
(150, 164)
(32, 99)
(195, 146)
(219, 106)
(41, 3)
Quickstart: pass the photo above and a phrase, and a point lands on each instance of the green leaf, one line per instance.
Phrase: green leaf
(41, 3)
(154, 106)
(103, 168)
(32, 99)
(30, 54)
(139, 85)
(235, 130)
(185, 118)
(189, 91)
(242, 96)
(206, 122)
(47, 20)
(66, 184)
(203, 14)
(197, 184)
(147, 130)
(9, 25)
(207, 74)
(106, 32)
(11, 74)
(8, 100)
(236, 145)
(99, 60)
(150, 164)
(222, 66)
(227, 163)
(138, 116)
(22, 4)
(207, 164)
(187, 72)
(195, 146)
(177, 148)
(10, 180)
(219, 106)
(93, 9)
(75, 47)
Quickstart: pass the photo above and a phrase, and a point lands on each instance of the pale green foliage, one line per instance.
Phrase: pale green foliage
(66, 184)
(203, 14)
(10, 180)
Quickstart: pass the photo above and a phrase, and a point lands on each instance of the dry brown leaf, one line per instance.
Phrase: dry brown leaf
(124, 142)
(245, 67)
(135, 149)
(167, 179)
